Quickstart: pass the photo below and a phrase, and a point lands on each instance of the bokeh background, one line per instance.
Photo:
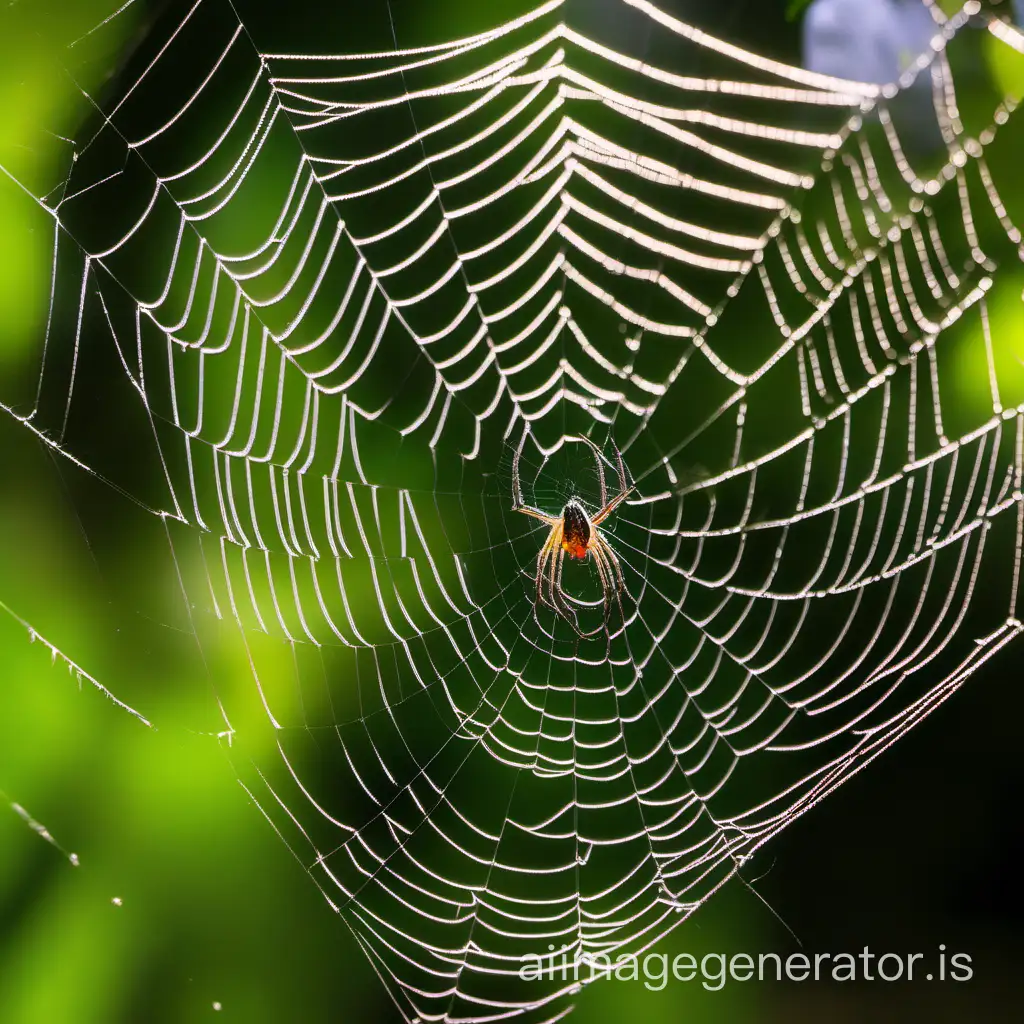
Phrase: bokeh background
(138, 882)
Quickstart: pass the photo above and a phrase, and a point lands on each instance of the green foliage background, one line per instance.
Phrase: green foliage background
(184, 900)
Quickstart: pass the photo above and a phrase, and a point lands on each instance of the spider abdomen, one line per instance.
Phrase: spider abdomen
(575, 530)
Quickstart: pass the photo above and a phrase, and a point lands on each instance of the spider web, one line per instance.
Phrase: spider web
(341, 291)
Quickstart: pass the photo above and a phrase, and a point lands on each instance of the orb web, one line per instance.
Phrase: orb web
(341, 290)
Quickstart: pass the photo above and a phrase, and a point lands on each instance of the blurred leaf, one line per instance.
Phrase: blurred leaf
(1006, 66)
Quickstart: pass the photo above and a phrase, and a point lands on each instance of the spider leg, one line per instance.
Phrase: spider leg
(600, 468)
(517, 491)
(552, 575)
(612, 506)
(615, 567)
(537, 514)
(565, 610)
(604, 574)
(624, 492)
(621, 467)
(518, 505)
(540, 599)
(612, 560)
(572, 618)
(558, 600)
(541, 560)
(545, 552)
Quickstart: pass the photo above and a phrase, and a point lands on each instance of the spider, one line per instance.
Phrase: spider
(575, 533)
